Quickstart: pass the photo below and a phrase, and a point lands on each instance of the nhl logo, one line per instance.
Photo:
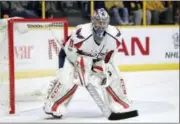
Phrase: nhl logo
(175, 38)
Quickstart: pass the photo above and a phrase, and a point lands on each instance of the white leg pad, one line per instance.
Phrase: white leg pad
(61, 91)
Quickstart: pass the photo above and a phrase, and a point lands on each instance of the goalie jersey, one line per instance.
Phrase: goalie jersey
(82, 40)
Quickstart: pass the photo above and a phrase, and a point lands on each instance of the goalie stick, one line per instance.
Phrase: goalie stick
(103, 107)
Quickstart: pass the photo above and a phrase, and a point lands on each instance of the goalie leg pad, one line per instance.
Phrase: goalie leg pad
(59, 99)
(61, 91)
(116, 98)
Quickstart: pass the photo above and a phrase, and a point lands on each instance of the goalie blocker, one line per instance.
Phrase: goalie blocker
(87, 60)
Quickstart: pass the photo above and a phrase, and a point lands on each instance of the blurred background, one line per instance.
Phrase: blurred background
(127, 13)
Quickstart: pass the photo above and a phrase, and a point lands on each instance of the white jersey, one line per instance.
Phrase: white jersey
(82, 39)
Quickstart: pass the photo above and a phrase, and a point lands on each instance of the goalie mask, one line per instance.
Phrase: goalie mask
(100, 22)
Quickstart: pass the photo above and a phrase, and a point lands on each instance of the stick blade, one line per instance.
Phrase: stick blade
(53, 117)
(125, 115)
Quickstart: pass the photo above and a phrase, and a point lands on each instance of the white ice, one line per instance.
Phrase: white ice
(155, 94)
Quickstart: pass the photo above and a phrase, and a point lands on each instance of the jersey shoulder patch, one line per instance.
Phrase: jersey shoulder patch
(115, 34)
(81, 33)
(113, 31)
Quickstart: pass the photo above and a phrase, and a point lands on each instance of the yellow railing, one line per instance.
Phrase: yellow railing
(92, 11)
(43, 9)
(92, 8)
(144, 13)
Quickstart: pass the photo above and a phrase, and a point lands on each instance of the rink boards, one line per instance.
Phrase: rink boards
(142, 49)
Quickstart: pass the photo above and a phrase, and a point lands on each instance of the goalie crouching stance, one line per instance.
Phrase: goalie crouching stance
(86, 58)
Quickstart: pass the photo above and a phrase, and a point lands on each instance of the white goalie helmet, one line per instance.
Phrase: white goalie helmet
(100, 21)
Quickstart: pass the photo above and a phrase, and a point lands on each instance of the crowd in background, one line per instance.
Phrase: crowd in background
(121, 12)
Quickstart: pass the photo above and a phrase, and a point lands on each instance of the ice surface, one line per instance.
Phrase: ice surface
(155, 94)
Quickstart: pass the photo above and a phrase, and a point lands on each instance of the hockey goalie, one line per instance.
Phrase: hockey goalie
(86, 60)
